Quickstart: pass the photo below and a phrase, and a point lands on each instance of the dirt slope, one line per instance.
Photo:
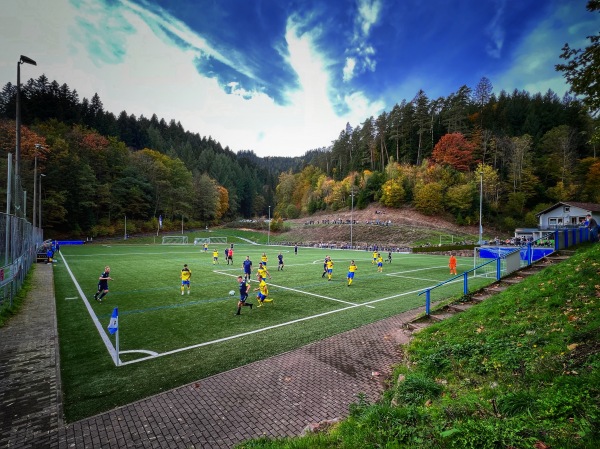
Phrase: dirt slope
(375, 225)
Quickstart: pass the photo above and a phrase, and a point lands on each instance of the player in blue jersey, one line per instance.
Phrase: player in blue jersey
(103, 284)
(280, 263)
(247, 267)
(244, 289)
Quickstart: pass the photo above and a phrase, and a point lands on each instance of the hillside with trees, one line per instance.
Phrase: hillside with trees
(520, 151)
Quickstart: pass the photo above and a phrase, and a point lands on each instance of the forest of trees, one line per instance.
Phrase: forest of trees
(99, 167)
(524, 151)
(527, 150)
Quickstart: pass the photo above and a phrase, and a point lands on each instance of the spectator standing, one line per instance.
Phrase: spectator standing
(593, 227)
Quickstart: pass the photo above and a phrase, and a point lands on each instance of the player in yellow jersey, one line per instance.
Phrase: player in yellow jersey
(351, 270)
(264, 259)
(329, 268)
(262, 271)
(379, 263)
(374, 258)
(263, 292)
(185, 276)
(215, 256)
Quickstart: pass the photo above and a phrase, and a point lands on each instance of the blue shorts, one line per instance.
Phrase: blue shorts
(185, 283)
(330, 270)
(380, 264)
(261, 296)
(350, 274)
(103, 286)
(243, 297)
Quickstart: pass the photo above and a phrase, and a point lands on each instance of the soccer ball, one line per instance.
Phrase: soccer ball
(231, 293)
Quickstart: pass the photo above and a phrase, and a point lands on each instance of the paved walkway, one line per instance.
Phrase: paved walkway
(275, 397)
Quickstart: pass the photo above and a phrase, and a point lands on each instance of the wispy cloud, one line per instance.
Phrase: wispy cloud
(532, 66)
(495, 31)
(360, 54)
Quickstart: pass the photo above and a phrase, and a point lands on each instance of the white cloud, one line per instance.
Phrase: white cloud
(368, 14)
(360, 57)
(496, 33)
(157, 75)
(348, 71)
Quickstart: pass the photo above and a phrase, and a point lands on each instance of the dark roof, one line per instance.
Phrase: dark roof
(592, 207)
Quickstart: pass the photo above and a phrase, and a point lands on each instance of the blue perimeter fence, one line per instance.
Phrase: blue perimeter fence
(506, 260)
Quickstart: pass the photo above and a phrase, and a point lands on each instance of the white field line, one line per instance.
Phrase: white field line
(245, 334)
(154, 354)
(301, 291)
(400, 274)
(103, 335)
(410, 277)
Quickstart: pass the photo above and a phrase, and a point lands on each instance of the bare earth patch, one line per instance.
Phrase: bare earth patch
(378, 225)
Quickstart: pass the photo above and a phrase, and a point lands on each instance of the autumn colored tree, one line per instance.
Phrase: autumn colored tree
(454, 150)
(392, 193)
(429, 198)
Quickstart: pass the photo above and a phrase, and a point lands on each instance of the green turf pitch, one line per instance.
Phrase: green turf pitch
(167, 339)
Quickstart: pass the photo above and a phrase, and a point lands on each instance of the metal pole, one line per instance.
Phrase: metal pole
(22, 60)
(351, 217)
(40, 205)
(8, 201)
(480, 209)
(34, 221)
(269, 231)
(18, 130)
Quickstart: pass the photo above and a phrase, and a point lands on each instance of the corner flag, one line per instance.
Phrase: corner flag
(113, 325)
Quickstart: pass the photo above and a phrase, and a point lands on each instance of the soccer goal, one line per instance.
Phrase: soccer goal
(209, 240)
(174, 240)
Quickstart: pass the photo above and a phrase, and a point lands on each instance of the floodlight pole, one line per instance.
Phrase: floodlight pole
(34, 218)
(480, 207)
(40, 200)
(269, 229)
(22, 60)
(351, 215)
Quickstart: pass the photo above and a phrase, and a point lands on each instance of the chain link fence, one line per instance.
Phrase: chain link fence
(19, 241)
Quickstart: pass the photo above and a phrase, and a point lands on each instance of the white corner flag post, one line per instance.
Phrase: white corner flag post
(113, 328)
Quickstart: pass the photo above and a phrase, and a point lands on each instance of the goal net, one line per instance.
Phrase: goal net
(174, 240)
(209, 240)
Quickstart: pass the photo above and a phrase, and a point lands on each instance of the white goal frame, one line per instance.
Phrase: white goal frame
(209, 240)
(175, 240)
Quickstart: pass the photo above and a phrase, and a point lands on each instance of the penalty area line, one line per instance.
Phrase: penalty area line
(245, 334)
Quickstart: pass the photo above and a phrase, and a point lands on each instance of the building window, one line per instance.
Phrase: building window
(567, 209)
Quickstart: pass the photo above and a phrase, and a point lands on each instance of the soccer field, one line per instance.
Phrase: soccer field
(166, 339)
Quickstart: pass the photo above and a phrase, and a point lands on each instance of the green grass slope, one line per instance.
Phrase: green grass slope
(520, 370)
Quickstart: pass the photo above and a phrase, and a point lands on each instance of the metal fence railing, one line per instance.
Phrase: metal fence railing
(503, 262)
(19, 241)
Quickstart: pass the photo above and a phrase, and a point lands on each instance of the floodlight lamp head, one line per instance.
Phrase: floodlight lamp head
(26, 60)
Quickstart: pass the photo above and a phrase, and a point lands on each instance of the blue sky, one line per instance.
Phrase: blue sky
(281, 77)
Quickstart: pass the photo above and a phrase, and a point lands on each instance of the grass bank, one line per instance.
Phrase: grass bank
(521, 370)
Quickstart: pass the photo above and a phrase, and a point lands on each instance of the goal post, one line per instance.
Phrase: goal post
(175, 240)
(209, 240)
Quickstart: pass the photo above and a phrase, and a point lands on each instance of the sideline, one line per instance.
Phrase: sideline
(103, 335)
